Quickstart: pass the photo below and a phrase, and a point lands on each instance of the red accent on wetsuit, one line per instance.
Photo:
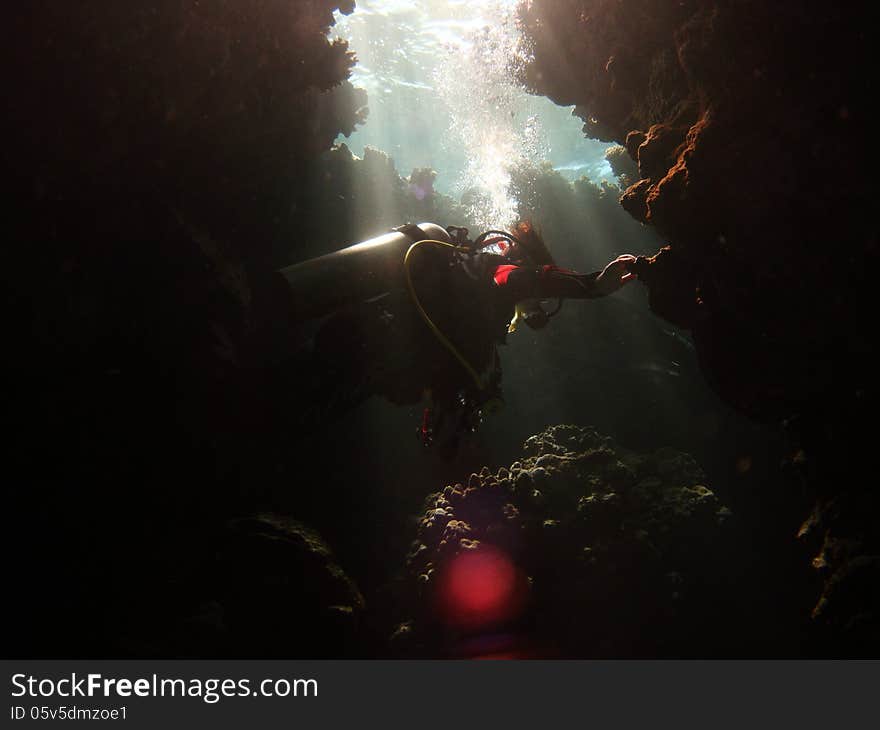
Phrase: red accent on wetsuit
(502, 272)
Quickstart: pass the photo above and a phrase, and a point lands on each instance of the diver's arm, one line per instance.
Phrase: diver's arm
(616, 274)
(552, 282)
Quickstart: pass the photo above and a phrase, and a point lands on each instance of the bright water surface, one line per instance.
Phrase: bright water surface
(439, 75)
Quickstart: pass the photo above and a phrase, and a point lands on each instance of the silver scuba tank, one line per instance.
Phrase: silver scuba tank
(360, 272)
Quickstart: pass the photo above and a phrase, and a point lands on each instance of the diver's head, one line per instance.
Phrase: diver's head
(530, 246)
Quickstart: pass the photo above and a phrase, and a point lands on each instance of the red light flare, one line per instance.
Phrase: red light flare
(481, 589)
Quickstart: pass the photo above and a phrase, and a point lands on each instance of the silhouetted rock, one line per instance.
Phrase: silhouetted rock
(261, 586)
(750, 150)
(842, 532)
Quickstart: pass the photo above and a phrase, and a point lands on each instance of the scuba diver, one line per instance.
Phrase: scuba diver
(417, 315)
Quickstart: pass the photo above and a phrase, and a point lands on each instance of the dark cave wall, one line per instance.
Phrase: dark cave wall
(207, 112)
(750, 126)
(151, 161)
(154, 157)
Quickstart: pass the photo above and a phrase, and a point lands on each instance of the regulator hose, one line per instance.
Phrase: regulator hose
(428, 321)
(493, 232)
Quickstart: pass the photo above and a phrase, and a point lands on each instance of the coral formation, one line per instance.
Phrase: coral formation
(617, 553)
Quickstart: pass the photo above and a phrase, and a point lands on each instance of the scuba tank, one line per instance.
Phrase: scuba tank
(358, 273)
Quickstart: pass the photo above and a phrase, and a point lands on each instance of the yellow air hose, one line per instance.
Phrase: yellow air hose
(433, 327)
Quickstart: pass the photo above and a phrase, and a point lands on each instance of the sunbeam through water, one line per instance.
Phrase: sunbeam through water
(442, 94)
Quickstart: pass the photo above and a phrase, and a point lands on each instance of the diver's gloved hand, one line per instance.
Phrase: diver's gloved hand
(616, 274)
